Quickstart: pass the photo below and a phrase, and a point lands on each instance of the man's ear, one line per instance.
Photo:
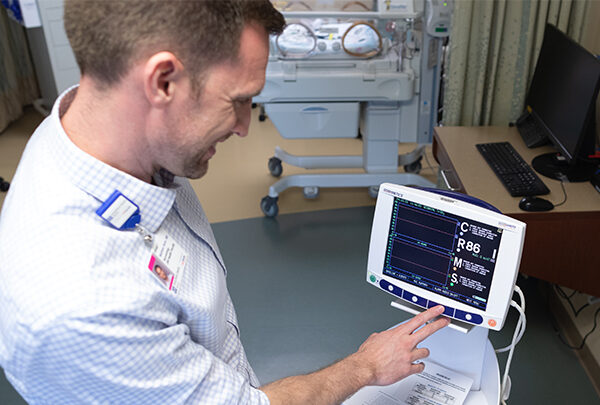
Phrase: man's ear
(163, 75)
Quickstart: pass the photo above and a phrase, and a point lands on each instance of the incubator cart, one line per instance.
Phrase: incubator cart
(332, 74)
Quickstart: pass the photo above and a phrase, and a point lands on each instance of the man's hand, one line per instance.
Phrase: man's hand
(392, 354)
(382, 359)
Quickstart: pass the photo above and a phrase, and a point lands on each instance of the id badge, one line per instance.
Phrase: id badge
(167, 261)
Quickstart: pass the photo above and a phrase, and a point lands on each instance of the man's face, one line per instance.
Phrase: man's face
(161, 273)
(221, 109)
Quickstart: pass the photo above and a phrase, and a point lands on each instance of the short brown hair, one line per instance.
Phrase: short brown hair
(107, 36)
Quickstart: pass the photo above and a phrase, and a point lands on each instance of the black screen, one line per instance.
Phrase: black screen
(442, 252)
(563, 93)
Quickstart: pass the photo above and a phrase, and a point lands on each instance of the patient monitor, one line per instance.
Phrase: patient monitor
(429, 248)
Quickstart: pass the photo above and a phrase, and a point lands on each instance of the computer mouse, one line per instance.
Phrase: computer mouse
(532, 203)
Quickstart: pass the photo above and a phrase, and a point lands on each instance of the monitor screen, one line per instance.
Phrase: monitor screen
(563, 92)
(428, 249)
(442, 252)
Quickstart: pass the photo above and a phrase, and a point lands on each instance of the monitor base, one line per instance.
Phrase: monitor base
(552, 165)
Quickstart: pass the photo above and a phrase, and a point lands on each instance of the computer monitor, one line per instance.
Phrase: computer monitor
(562, 100)
(428, 249)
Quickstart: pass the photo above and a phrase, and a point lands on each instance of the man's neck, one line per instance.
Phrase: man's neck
(103, 124)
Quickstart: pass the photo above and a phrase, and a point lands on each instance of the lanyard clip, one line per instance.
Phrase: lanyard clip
(120, 212)
(146, 235)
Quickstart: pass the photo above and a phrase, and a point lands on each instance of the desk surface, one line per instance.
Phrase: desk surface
(560, 244)
(459, 144)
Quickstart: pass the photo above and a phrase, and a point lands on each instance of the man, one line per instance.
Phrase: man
(83, 318)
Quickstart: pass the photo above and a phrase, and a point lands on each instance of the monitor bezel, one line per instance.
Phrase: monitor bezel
(508, 258)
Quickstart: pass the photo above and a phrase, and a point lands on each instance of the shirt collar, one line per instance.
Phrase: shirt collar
(100, 180)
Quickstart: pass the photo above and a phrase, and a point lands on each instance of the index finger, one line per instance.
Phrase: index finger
(424, 317)
(430, 329)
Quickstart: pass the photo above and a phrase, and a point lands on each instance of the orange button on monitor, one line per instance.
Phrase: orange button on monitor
(492, 323)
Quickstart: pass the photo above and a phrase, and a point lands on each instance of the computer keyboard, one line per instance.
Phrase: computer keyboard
(514, 173)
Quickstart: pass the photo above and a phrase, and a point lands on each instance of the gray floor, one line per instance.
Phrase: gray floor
(298, 283)
(299, 286)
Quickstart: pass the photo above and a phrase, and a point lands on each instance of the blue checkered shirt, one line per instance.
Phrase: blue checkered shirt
(82, 319)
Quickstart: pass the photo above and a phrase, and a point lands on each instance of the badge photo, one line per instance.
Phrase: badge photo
(161, 272)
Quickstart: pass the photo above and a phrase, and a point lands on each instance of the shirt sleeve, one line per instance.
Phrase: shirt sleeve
(117, 358)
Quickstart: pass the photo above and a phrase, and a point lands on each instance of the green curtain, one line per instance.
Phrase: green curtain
(18, 85)
(493, 49)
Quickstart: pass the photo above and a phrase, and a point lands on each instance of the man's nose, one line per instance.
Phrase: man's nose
(243, 120)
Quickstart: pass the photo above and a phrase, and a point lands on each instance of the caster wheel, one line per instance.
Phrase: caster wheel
(275, 167)
(373, 191)
(414, 167)
(310, 192)
(262, 117)
(4, 185)
(269, 207)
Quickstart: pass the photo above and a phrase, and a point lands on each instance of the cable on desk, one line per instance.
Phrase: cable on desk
(562, 185)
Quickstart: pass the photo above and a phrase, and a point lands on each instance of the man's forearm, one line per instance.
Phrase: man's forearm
(331, 385)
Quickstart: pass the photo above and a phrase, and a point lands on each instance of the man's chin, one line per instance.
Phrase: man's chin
(197, 172)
